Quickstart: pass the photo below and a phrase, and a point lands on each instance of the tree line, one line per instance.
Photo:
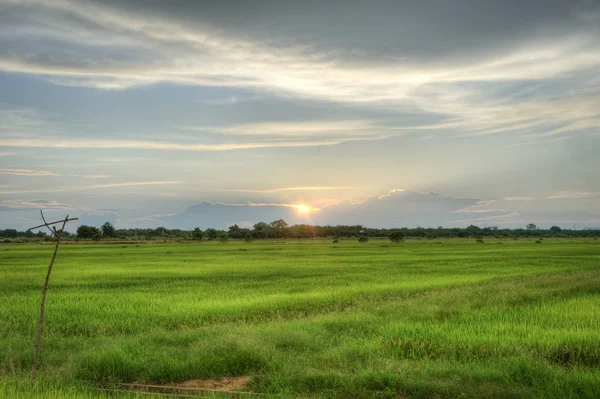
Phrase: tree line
(279, 229)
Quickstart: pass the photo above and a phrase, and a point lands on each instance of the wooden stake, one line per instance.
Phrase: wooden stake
(57, 234)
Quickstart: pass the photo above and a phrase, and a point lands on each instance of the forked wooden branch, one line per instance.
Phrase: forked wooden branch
(56, 234)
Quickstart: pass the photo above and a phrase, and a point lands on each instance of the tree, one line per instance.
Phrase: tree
(473, 230)
(397, 236)
(279, 227)
(555, 229)
(261, 230)
(197, 234)
(531, 227)
(88, 232)
(160, 231)
(108, 230)
(212, 234)
(235, 232)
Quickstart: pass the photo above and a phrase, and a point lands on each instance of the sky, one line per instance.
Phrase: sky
(382, 113)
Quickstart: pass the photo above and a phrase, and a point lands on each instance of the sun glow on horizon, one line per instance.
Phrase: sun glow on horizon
(302, 208)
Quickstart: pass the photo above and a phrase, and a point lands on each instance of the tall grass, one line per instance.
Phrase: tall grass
(308, 318)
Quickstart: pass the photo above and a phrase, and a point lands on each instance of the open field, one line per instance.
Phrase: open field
(427, 318)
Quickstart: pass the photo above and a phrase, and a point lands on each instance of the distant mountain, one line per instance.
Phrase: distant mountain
(396, 208)
(205, 215)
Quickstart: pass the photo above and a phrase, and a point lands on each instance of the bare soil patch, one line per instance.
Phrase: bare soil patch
(225, 384)
(239, 383)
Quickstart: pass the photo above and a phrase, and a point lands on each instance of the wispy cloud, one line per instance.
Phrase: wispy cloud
(573, 195)
(158, 145)
(131, 184)
(300, 207)
(93, 187)
(304, 188)
(23, 204)
(27, 172)
(520, 198)
(36, 204)
(92, 176)
(230, 100)
(199, 54)
(303, 129)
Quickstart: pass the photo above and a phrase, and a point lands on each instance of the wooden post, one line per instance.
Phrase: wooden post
(57, 234)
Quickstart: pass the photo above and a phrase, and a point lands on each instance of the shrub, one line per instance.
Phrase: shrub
(363, 238)
(336, 241)
(397, 236)
(538, 241)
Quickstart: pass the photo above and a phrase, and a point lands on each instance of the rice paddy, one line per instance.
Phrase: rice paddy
(424, 318)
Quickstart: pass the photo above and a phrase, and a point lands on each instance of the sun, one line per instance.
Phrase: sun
(303, 208)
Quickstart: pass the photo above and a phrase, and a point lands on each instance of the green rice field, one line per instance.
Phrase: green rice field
(307, 319)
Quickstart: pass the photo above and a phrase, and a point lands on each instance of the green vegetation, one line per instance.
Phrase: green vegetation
(420, 318)
(279, 229)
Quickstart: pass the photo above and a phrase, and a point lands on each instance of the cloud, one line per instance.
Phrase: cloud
(304, 129)
(158, 145)
(131, 184)
(573, 195)
(24, 213)
(92, 176)
(93, 187)
(27, 172)
(21, 204)
(305, 188)
(469, 73)
(520, 198)
(231, 100)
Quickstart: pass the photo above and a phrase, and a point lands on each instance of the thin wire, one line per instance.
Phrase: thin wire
(191, 389)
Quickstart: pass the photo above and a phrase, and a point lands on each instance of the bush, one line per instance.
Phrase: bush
(397, 236)
(538, 241)
(479, 240)
(336, 241)
(363, 238)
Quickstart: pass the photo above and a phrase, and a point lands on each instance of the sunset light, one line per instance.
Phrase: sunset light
(303, 208)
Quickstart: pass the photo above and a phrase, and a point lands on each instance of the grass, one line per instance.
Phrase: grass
(450, 318)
